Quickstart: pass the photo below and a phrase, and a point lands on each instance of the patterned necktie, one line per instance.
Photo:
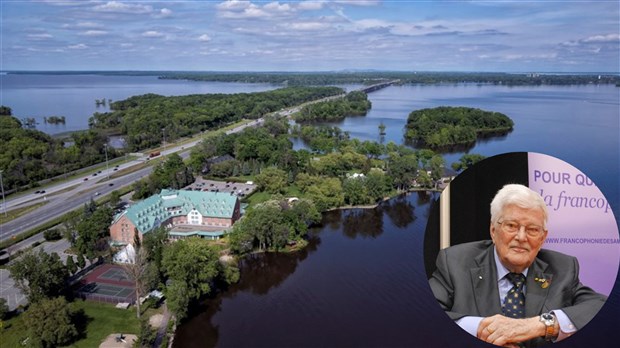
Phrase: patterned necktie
(514, 303)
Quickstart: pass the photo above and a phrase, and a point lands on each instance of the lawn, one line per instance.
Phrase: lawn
(101, 320)
(104, 319)
(260, 197)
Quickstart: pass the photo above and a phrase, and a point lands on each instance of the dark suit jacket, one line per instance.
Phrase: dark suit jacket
(465, 283)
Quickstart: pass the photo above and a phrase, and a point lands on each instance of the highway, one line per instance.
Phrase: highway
(68, 195)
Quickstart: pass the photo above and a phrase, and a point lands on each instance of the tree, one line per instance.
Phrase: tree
(5, 111)
(81, 262)
(272, 180)
(402, 169)
(436, 165)
(93, 231)
(467, 161)
(115, 198)
(154, 242)
(71, 266)
(136, 269)
(355, 191)
(326, 194)
(72, 220)
(39, 275)
(51, 323)
(190, 264)
(378, 184)
(4, 309)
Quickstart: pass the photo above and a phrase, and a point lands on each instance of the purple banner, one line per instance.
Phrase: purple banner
(581, 222)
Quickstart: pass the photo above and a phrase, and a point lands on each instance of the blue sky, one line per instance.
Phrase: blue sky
(514, 36)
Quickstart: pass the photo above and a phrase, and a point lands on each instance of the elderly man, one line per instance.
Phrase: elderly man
(509, 291)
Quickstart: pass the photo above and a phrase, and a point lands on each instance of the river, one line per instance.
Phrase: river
(361, 281)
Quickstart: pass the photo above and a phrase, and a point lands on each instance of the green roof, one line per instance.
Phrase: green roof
(151, 212)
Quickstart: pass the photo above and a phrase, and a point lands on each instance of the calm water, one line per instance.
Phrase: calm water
(361, 282)
(73, 96)
(578, 124)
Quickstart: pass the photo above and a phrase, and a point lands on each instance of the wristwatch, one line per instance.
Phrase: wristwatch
(549, 320)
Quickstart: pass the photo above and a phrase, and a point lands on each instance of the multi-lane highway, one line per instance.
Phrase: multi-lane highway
(68, 195)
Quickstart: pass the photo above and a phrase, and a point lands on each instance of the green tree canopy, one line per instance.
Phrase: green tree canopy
(39, 275)
(50, 323)
(272, 180)
(447, 126)
(466, 161)
(190, 264)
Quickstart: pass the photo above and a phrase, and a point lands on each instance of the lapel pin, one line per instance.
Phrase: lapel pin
(543, 282)
(480, 277)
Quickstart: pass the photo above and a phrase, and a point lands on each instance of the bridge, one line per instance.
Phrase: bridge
(378, 86)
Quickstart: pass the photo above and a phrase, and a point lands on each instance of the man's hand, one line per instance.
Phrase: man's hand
(504, 331)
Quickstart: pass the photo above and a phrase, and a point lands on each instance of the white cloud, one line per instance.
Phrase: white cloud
(310, 5)
(603, 38)
(163, 13)
(277, 7)
(152, 34)
(359, 2)
(41, 36)
(468, 49)
(204, 38)
(82, 25)
(233, 5)
(309, 26)
(236, 9)
(78, 47)
(119, 7)
(133, 9)
(94, 33)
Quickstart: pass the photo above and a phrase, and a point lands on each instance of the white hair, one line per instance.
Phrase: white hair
(519, 195)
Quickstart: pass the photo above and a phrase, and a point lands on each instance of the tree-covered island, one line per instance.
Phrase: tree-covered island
(446, 126)
(355, 103)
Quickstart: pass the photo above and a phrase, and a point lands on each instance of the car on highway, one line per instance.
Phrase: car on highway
(85, 179)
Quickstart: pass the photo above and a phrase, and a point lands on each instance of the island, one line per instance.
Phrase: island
(447, 126)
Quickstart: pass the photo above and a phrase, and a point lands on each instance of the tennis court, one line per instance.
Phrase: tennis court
(114, 274)
(119, 291)
(106, 283)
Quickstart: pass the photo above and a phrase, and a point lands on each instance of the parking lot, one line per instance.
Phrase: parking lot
(240, 189)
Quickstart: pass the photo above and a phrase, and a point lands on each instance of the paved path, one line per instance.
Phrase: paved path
(161, 332)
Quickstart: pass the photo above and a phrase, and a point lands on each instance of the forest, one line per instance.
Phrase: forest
(355, 103)
(143, 118)
(28, 155)
(447, 126)
(372, 77)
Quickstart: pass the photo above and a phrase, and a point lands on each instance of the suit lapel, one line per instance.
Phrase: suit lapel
(484, 284)
(538, 283)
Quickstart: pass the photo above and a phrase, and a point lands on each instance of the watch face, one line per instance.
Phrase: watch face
(547, 316)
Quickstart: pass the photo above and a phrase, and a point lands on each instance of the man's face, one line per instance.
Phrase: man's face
(517, 251)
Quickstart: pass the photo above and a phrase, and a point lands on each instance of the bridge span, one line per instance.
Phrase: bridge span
(378, 86)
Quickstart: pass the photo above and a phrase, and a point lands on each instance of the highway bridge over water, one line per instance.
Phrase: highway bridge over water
(378, 86)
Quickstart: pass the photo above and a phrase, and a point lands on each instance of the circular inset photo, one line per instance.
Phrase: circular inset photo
(522, 249)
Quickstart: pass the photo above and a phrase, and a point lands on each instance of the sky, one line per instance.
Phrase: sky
(329, 35)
